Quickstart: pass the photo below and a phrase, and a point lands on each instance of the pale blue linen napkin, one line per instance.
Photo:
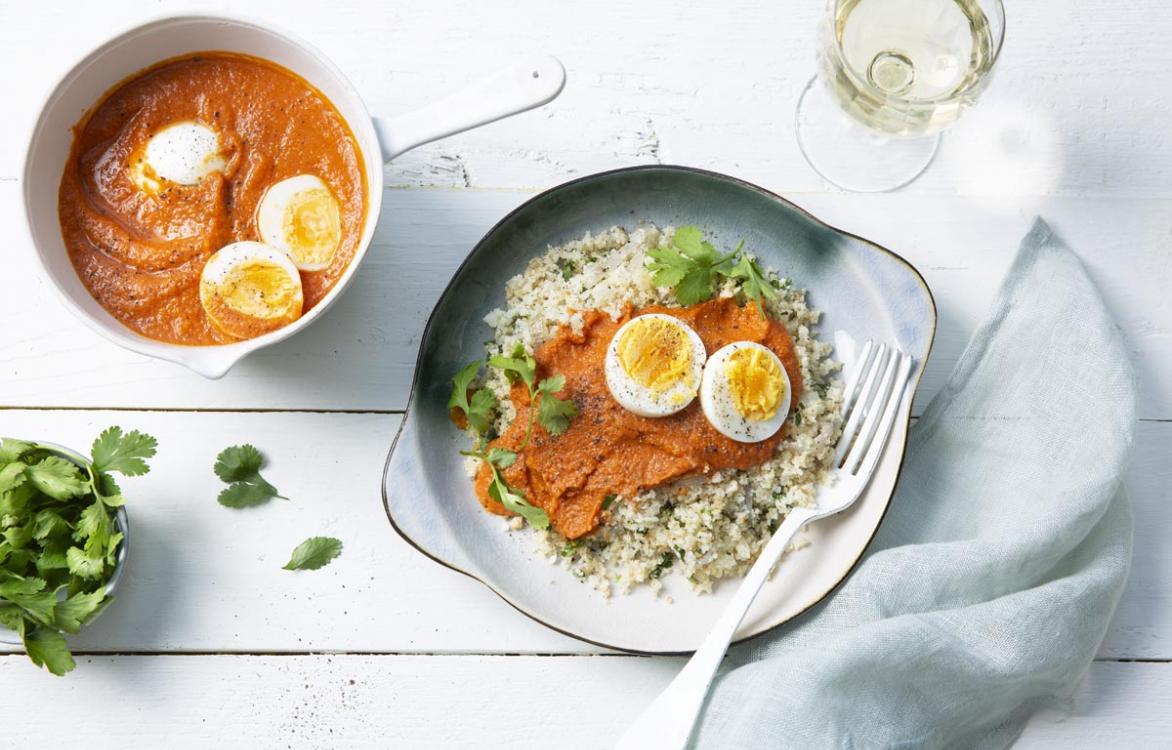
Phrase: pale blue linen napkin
(993, 577)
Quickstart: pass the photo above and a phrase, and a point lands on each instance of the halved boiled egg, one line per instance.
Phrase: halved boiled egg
(300, 216)
(745, 393)
(183, 152)
(653, 365)
(249, 288)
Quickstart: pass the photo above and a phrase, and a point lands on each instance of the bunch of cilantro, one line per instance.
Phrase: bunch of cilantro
(58, 539)
(694, 268)
(479, 407)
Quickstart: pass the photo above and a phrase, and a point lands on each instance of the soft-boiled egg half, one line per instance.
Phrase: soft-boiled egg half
(300, 216)
(745, 393)
(249, 288)
(183, 153)
(654, 364)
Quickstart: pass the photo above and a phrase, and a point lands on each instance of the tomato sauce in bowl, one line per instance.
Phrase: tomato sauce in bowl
(140, 252)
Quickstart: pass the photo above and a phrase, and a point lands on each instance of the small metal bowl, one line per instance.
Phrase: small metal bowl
(121, 523)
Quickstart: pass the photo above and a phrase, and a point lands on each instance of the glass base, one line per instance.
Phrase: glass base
(850, 156)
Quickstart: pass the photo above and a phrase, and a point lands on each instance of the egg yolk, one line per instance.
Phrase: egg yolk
(144, 176)
(259, 289)
(655, 353)
(312, 226)
(754, 380)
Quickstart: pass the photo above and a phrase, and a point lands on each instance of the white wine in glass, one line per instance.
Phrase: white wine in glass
(902, 70)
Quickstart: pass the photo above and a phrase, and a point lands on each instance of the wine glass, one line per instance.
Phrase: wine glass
(901, 71)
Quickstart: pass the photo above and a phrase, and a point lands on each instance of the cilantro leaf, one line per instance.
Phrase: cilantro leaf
(30, 595)
(753, 282)
(246, 494)
(484, 404)
(688, 239)
(47, 648)
(240, 465)
(690, 264)
(57, 477)
(501, 458)
(552, 384)
(18, 536)
(520, 365)
(107, 489)
(460, 383)
(554, 414)
(51, 559)
(669, 265)
(94, 523)
(315, 552)
(480, 408)
(79, 609)
(20, 586)
(10, 615)
(13, 475)
(14, 501)
(112, 547)
(11, 450)
(126, 454)
(48, 523)
(84, 566)
(515, 501)
(697, 286)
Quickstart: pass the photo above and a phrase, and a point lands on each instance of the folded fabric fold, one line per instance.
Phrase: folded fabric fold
(991, 582)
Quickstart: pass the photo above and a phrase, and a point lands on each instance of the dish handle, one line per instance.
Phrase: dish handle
(528, 83)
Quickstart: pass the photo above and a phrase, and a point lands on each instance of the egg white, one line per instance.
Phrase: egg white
(272, 211)
(183, 152)
(720, 408)
(642, 400)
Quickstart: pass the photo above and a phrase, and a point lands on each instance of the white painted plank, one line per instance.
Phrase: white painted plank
(1117, 705)
(1142, 627)
(366, 701)
(206, 578)
(713, 85)
(202, 577)
(361, 355)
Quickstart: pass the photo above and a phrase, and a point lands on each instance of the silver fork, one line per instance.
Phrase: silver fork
(870, 406)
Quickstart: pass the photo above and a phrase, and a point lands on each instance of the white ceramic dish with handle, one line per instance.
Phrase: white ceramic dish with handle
(526, 84)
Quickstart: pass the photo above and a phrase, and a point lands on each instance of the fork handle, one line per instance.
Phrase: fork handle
(667, 723)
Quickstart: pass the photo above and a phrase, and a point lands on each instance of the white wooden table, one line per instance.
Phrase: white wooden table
(212, 644)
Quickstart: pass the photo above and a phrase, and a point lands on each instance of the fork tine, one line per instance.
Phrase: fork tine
(868, 455)
(871, 419)
(849, 395)
(862, 404)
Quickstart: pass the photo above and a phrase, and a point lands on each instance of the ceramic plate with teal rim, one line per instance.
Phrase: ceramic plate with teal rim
(863, 290)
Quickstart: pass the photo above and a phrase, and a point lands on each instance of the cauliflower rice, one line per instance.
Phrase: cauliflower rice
(700, 528)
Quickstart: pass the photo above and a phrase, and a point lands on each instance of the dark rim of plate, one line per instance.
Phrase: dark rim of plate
(600, 176)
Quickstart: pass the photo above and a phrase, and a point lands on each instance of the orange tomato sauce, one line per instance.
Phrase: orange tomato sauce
(140, 255)
(607, 450)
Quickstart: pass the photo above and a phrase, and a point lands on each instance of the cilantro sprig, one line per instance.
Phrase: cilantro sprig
(58, 538)
(552, 413)
(693, 267)
(239, 466)
(479, 406)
